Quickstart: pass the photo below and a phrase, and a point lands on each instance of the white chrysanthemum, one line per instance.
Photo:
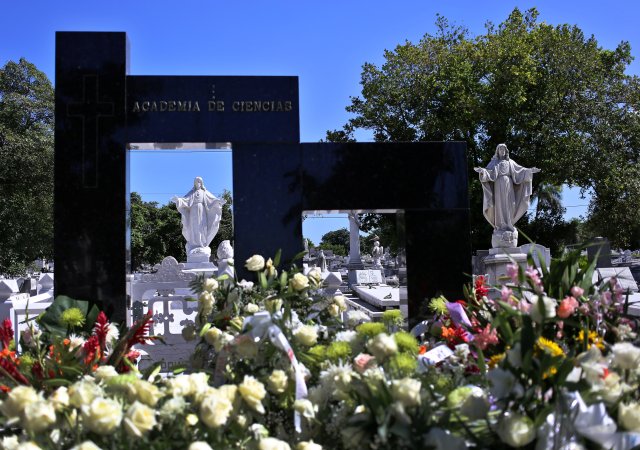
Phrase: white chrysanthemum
(346, 336)
(76, 341)
(337, 376)
(112, 334)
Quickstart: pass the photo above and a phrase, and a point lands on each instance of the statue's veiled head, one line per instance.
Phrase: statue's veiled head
(502, 152)
(198, 183)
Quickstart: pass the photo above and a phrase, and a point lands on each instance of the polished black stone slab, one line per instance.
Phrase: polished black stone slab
(100, 110)
(90, 169)
(212, 109)
(273, 184)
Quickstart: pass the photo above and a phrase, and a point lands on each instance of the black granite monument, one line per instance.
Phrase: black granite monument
(100, 110)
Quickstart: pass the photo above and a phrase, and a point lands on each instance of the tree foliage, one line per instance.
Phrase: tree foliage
(26, 172)
(156, 231)
(559, 100)
(337, 241)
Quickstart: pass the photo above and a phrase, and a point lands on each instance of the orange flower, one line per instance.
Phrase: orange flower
(423, 349)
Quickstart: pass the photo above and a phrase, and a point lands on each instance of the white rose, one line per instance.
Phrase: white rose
(28, 446)
(406, 391)
(252, 392)
(270, 443)
(299, 282)
(255, 263)
(139, 420)
(18, 399)
(215, 409)
(476, 405)
(306, 335)
(38, 416)
(206, 302)
(212, 336)
(210, 284)
(346, 336)
(333, 310)
(625, 355)
(9, 442)
(516, 430)
(315, 275)
(629, 416)
(83, 392)
(245, 285)
(382, 346)
(60, 398)
(102, 416)
(537, 303)
(251, 308)
(144, 392)
(86, 445)
(180, 386)
(341, 302)
(278, 381)
(304, 407)
(199, 381)
(199, 445)
(310, 445)
(105, 372)
(229, 391)
(172, 407)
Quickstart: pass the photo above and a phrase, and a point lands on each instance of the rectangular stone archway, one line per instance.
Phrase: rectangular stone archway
(100, 109)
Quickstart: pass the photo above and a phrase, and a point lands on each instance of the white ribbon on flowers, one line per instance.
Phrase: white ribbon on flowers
(592, 422)
(259, 325)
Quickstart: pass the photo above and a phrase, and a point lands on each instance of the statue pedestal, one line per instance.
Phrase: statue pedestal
(199, 263)
(352, 266)
(496, 263)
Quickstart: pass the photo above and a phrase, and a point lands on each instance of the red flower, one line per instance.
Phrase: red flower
(101, 329)
(6, 333)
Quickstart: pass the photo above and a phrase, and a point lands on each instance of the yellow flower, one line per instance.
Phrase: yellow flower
(593, 338)
(495, 360)
(549, 347)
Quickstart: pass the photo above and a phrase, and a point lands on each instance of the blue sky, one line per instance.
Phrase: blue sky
(324, 43)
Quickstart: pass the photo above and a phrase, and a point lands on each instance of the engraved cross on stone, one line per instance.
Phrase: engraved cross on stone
(90, 110)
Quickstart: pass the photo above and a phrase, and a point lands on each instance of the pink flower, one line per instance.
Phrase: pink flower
(606, 297)
(486, 337)
(567, 307)
(533, 274)
(577, 292)
(363, 361)
(512, 272)
(505, 294)
(524, 306)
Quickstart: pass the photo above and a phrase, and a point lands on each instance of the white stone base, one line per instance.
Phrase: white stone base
(496, 263)
(209, 269)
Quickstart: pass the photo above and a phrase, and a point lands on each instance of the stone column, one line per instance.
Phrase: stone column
(355, 261)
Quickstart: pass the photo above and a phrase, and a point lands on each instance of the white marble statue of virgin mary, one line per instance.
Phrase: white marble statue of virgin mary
(201, 213)
(506, 190)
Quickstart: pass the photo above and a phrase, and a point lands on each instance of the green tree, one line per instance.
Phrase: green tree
(225, 232)
(559, 100)
(337, 240)
(26, 172)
